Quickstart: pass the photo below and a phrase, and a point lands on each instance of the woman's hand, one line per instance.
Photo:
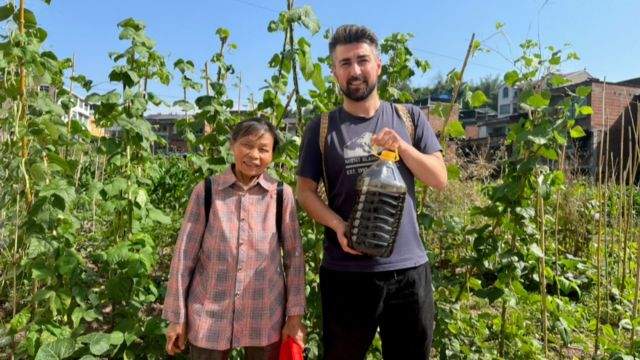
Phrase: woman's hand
(176, 337)
(293, 327)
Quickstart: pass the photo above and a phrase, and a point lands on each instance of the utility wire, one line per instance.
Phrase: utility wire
(456, 59)
(256, 6)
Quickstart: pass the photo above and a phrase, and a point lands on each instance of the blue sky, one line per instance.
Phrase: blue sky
(601, 32)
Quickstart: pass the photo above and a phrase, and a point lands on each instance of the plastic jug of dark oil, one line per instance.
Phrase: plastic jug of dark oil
(375, 218)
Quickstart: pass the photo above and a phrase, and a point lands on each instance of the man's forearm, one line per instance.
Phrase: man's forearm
(428, 168)
(317, 209)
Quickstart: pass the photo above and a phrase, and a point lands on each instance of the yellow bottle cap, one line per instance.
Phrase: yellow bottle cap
(388, 155)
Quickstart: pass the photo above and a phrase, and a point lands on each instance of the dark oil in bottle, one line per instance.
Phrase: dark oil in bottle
(375, 218)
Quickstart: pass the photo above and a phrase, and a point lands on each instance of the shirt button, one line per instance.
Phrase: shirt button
(240, 268)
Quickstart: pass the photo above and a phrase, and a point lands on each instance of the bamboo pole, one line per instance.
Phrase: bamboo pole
(22, 115)
(284, 112)
(557, 225)
(15, 257)
(93, 197)
(73, 73)
(608, 239)
(25, 145)
(294, 69)
(634, 310)
(634, 160)
(206, 78)
(543, 280)
(207, 126)
(599, 239)
(145, 82)
(222, 77)
(456, 89)
(239, 91)
(503, 327)
(622, 210)
(79, 169)
(454, 98)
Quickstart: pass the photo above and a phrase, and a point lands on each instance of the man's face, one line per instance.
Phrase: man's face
(356, 67)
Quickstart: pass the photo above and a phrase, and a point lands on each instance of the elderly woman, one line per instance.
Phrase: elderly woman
(230, 284)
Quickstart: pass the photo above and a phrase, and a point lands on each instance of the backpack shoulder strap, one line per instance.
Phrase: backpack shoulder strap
(323, 189)
(324, 129)
(207, 200)
(406, 117)
(279, 206)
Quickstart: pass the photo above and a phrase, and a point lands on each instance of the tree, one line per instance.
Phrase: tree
(490, 86)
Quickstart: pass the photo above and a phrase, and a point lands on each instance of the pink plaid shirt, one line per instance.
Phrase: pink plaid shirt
(233, 292)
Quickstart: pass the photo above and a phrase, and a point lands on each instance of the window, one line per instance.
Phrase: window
(498, 131)
(505, 92)
(44, 88)
(504, 109)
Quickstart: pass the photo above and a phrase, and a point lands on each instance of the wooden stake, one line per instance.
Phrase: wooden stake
(599, 241)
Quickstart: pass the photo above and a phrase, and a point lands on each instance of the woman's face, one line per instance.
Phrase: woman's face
(252, 155)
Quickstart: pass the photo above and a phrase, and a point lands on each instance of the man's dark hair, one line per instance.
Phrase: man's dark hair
(255, 126)
(352, 34)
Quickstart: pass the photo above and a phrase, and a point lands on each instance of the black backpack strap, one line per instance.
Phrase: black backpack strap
(207, 200)
(279, 205)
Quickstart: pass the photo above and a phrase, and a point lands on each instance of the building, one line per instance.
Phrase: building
(166, 127)
(507, 106)
(612, 122)
(81, 110)
(428, 106)
(476, 121)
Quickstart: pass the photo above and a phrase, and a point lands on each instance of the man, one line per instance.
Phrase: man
(361, 293)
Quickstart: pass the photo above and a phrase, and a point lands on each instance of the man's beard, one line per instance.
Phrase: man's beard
(360, 93)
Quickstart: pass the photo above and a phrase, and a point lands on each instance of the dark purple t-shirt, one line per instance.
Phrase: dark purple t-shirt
(348, 153)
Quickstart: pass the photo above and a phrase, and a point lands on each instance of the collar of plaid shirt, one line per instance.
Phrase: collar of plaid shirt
(228, 178)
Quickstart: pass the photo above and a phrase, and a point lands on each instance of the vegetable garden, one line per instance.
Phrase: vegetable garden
(534, 262)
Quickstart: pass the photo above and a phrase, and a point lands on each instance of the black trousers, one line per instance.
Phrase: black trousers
(355, 304)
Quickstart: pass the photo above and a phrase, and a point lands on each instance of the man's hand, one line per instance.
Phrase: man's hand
(293, 327)
(176, 338)
(388, 139)
(428, 168)
(320, 212)
(340, 227)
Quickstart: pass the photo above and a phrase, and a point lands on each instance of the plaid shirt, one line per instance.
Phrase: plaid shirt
(233, 292)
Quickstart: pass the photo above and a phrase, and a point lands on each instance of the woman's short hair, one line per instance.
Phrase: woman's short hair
(255, 126)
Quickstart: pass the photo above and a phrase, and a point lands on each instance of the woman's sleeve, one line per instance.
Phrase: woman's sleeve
(184, 257)
(293, 256)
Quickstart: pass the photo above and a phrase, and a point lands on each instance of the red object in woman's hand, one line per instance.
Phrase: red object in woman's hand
(290, 350)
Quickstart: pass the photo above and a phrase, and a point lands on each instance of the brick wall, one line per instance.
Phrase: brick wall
(608, 111)
(471, 132)
(619, 141)
(436, 121)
